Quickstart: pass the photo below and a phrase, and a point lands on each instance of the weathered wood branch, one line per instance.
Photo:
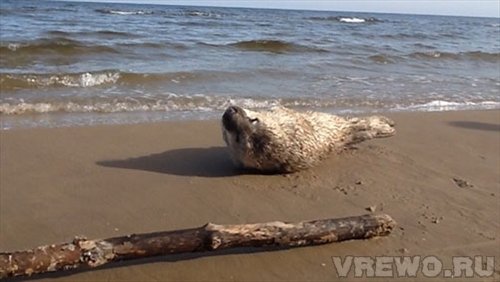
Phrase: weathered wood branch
(82, 253)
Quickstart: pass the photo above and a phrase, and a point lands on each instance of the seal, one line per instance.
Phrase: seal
(282, 140)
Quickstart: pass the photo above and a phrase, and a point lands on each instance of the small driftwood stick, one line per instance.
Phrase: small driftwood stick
(83, 253)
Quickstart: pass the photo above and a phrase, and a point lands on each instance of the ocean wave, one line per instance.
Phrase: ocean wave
(97, 33)
(123, 12)
(478, 55)
(441, 105)
(204, 14)
(32, 9)
(423, 46)
(61, 45)
(273, 46)
(346, 19)
(166, 102)
(77, 107)
(388, 58)
(153, 45)
(381, 59)
(471, 55)
(170, 102)
(10, 82)
(14, 81)
(60, 49)
(352, 20)
(413, 35)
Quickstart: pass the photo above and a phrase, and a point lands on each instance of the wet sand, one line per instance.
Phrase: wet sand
(439, 178)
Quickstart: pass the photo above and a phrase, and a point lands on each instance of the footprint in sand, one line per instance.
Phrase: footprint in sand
(462, 183)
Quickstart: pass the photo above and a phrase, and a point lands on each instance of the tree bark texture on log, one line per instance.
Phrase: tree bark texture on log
(82, 253)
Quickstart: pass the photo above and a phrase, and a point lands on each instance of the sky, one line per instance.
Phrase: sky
(481, 8)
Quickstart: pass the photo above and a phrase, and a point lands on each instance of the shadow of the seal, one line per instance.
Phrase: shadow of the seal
(476, 125)
(204, 162)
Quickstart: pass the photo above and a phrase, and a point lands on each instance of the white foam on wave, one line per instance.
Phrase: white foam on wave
(118, 12)
(441, 105)
(74, 80)
(253, 103)
(71, 107)
(352, 20)
(170, 102)
(197, 14)
(203, 14)
(89, 80)
(13, 46)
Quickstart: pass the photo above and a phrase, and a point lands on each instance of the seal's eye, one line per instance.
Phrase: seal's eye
(254, 120)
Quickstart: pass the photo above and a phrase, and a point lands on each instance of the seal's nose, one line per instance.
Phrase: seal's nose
(231, 110)
(229, 118)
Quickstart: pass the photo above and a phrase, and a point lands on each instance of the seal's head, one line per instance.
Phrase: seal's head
(246, 137)
(236, 121)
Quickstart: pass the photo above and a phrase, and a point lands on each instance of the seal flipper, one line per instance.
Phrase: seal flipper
(361, 129)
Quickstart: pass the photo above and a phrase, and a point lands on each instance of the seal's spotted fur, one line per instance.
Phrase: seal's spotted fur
(283, 140)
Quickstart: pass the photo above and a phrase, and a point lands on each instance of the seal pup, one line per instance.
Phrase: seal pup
(282, 140)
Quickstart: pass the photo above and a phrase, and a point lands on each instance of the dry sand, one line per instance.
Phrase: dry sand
(106, 181)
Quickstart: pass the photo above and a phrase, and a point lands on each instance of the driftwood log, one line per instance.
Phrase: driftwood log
(82, 253)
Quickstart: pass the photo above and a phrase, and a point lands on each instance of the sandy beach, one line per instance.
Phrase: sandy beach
(439, 178)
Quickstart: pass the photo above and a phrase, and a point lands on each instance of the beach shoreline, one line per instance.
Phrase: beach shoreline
(110, 180)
